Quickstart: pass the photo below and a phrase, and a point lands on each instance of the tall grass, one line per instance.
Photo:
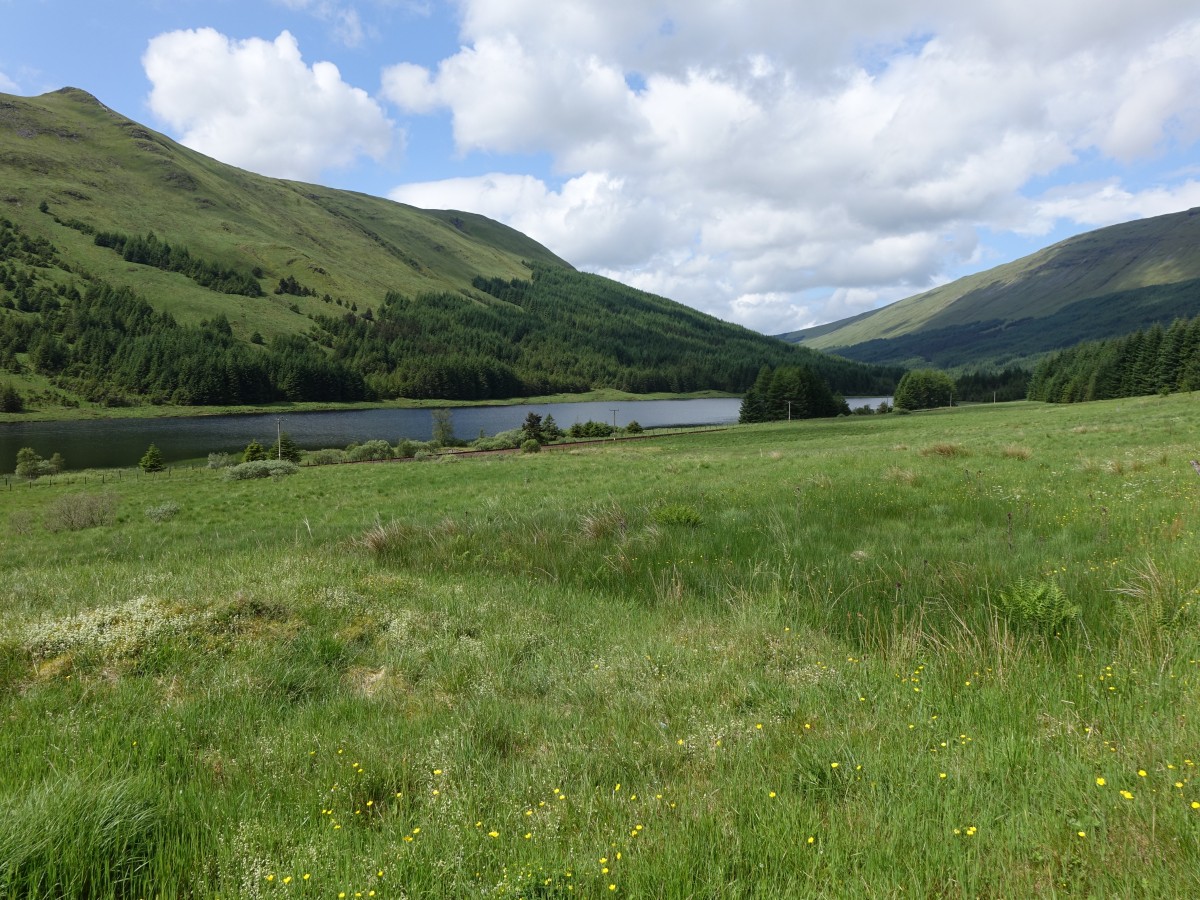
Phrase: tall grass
(772, 661)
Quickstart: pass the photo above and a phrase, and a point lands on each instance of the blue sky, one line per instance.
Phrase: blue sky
(776, 164)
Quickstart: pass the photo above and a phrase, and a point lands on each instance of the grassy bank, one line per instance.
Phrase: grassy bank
(949, 654)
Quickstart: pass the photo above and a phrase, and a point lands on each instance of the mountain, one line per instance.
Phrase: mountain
(133, 270)
(1102, 284)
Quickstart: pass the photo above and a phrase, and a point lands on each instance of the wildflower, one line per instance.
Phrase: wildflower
(1127, 795)
(493, 834)
(1100, 781)
(833, 765)
(771, 795)
(1082, 834)
(1196, 804)
(1141, 773)
(941, 774)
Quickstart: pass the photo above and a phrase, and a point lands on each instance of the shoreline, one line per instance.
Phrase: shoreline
(99, 413)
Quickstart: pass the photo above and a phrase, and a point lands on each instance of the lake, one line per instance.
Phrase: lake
(118, 443)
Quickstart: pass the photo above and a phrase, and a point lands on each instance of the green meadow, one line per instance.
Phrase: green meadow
(944, 654)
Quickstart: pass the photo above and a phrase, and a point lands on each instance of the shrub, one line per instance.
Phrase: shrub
(1039, 606)
(424, 454)
(530, 446)
(163, 512)
(327, 457)
(406, 449)
(634, 427)
(220, 460)
(261, 468)
(505, 440)
(370, 450)
(75, 512)
(30, 464)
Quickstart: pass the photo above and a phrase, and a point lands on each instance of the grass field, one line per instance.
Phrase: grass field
(943, 654)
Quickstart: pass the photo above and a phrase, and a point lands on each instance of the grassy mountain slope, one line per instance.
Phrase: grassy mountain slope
(383, 300)
(1104, 283)
(95, 166)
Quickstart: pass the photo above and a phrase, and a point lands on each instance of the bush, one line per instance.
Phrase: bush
(163, 512)
(505, 440)
(370, 450)
(75, 512)
(530, 446)
(30, 464)
(261, 468)
(328, 457)
(406, 449)
(634, 427)
(220, 460)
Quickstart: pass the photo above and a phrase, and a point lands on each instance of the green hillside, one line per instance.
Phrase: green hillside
(134, 270)
(1105, 283)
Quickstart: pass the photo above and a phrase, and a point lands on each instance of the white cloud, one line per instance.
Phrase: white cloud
(7, 85)
(749, 159)
(258, 105)
(346, 22)
(1108, 203)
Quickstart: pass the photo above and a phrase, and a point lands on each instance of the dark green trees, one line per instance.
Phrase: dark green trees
(285, 448)
(924, 389)
(1146, 362)
(789, 392)
(10, 400)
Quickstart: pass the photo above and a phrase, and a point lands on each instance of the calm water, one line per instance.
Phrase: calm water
(116, 443)
(121, 442)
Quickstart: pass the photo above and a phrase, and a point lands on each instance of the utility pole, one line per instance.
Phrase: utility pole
(789, 403)
(279, 438)
(614, 412)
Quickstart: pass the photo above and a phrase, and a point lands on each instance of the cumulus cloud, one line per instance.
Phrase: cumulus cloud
(769, 166)
(257, 104)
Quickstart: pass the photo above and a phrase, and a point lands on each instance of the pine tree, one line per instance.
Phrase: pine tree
(285, 448)
(152, 461)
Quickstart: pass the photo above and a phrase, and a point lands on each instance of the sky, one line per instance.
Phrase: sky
(776, 164)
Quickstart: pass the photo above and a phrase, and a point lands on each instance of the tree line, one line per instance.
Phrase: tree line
(1150, 361)
(561, 331)
(557, 331)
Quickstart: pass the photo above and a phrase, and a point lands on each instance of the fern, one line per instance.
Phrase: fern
(1039, 606)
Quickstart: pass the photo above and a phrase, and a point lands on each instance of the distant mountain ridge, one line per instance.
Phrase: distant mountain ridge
(135, 270)
(1101, 284)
